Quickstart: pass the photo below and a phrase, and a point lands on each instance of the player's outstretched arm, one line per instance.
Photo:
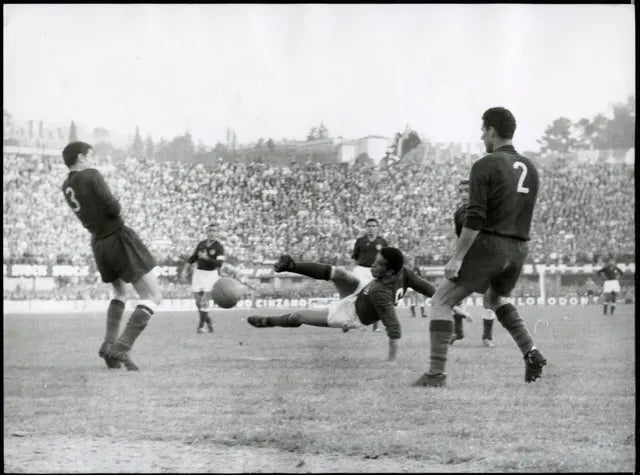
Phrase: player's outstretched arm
(419, 284)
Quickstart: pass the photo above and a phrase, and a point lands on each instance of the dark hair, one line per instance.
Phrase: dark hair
(501, 119)
(71, 152)
(463, 182)
(394, 258)
(211, 225)
(371, 220)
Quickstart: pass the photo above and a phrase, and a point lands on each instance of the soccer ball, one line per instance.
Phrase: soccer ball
(226, 292)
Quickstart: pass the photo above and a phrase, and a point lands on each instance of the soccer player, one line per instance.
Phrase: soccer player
(205, 262)
(492, 246)
(119, 253)
(416, 299)
(361, 302)
(611, 285)
(364, 253)
(487, 319)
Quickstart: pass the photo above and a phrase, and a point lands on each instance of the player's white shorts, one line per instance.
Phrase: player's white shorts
(363, 274)
(342, 314)
(203, 280)
(611, 286)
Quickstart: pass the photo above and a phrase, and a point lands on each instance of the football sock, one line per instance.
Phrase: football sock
(413, 311)
(137, 322)
(457, 324)
(440, 332)
(314, 270)
(203, 318)
(613, 308)
(487, 329)
(605, 308)
(422, 312)
(114, 316)
(510, 319)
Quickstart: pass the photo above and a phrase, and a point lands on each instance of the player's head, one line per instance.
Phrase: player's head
(389, 261)
(211, 230)
(463, 191)
(76, 152)
(611, 260)
(498, 126)
(371, 226)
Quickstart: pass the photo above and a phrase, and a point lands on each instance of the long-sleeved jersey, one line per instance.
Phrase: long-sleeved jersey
(503, 187)
(90, 198)
(377, 300)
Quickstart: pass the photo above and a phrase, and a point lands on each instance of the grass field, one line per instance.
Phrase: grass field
(314, 399)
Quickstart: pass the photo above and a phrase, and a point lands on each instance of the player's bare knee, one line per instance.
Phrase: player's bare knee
(339, 273)
(294, 318)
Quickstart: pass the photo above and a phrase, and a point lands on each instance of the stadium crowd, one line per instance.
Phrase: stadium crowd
(312, 211)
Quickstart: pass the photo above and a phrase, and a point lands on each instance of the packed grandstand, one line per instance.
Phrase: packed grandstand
(310, 210)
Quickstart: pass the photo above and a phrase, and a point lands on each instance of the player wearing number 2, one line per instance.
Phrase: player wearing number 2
(119, 253)
(362, 301)
(492, 247)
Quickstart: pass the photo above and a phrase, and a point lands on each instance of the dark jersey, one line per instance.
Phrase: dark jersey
(458, 218)
(365, 251)
(610, 271)
(377, 300)
(215, 254)
(502, 194)
(89, 197)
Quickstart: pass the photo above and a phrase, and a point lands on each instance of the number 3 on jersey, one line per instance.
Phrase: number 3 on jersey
(523, 175)
(71, 197)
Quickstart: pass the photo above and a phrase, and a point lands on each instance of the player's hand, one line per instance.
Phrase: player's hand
(452, 268)
(467, 316)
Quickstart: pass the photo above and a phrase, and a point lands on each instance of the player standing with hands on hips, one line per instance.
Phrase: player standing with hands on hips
(121, 257)
(611, 285)
(205, 261)
(364, 253)
(492, 247)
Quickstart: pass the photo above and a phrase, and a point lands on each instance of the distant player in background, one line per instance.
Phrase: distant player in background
(120, 255)
(416, 299)
(205, 263)
(611, 285)
(492, 247)
(364, 253)
(362, 302)
(487, 319)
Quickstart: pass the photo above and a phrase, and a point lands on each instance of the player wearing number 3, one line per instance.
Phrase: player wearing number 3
(492, 246)
(119, 253)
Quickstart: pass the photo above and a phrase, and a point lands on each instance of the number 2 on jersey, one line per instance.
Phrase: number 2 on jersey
(75, 206)
(523, 175)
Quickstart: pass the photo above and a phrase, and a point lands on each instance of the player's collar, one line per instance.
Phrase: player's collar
(505, 148)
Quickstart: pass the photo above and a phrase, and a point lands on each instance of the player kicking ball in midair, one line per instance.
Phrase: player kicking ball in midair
(361, 303)
(120, 255)
(205, 261)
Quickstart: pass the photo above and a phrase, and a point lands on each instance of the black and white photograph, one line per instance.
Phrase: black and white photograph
(319, 238)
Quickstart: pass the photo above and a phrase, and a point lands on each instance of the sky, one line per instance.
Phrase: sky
(277, 70)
